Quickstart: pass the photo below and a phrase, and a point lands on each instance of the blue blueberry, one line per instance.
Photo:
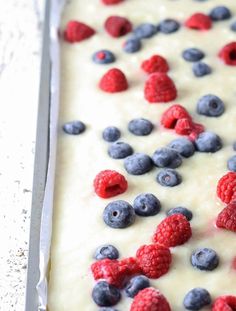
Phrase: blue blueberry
(74, 127)
(119, 150)
(168, 178)
(138, 164)
(181, 210)
(220, 13)
(208, 142)
(231, 163)
(205, 259)
(201, 69)
(136, 284)
(132, 45)
(193, 55)
(168, 26)
(166, 157)
(233, 26)
(140, 127)
(183, 146)
(106, 251)
(210, 105)
(144, 31)
(146, 204)
(196, 299)
(105, 294)
(119, 214)
(103, 57)
(111, 134)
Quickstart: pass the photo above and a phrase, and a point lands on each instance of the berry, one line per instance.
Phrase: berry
(117, 26)
(111, 2)
(106, 251)
(226, 187)
(113, 81)
(140, 127)
(156, 63)
(199, 21)
(201, 69)
(105, 294)
(159, 88)
(144, 31)
(154, 260)
(224, 303)
(183, 146)
(138, 164)
(166, 157)
(136, 284)
(173, 231)
(205, 259)
(168, 26)
(210, 105)
(74, 127)
(208, 142)
(181, 210)
(109, 183)
(197, 129)
(131, 265)
(234, 146)
(132, 45)
(227, 218)
(228, 54)
(192, 55)
(76, 31)
(184, 126)
(220, 13)
(172, 115)
(233, 26)
(119, 214)
(146, 204)
(103, 57)
(111, 134)
(196, 299)
(119, 150)
(168, 178)
(231, 163)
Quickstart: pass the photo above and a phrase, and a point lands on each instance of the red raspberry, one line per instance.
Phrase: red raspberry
(109, 183)
(184, 126)
(150, 299)
(154, 260)
(113, 81)
(172, 231)
(132, 265)
(159, 88)
(117, 26)
(156, 63)
(224, 303)
(110, 2)
(77, 31)
(199, 21)
(228, 54)
(197, 129)
(172, 115)
(226, 187)
(227, 218)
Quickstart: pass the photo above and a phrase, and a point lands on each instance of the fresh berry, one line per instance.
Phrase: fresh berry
(140, 127)
(196, 299)
(205, 259)
(111, 2)
(146, 204)
(227, 218)
(105, 294)
(193, 55)
(220, 13)
(119, 214)
(117, 26)
(131, 265)
(201, 69)
(168, 178)
(199, 21)
(168, 26)
(197, 129)
(184, 126)
(76, 31)
(226, 187)
(132, 45)
(208, 142)
(210, 106)
(181, 210)
(174, 230)
(154, 260)
(159, 88)
(233, 26)
(224, 303)
(138, 164)
(172, 115)
(103, 57)
(74, 127)
(228, 54)
(109, 183)
(183, 146)
(113, 81)
(106, 251)
(144, 31)
(111, 134)
(136, 284)
(156, 63)
(119, 150)
(166, 157)
(231, 163)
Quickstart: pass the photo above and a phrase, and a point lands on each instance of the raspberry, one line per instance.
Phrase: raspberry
(224, 303)
(226, 187)
(228, 54)
(117, 26)
(154, 260)
(159, 88)
(109, 183)
(172, 115)
(150, 299)
(113, 81)
(111, 2)
(199, 21)
(172, 231)
(184, 126)
(227, 218)
(156, 63)
(77, 31)
(132, 265)
(197, 129)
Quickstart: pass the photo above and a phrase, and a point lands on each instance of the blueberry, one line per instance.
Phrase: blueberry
(205, 259)
(140, 127)
(103, 57)
(106, 251)
(193, 55)
(208, 142)
(197, 298)
(136, 284)
(119, 214)
(168, 26)
(231, 163)
(220, 13)
(74, 127)
(183, 146)
(105, 294)
(210, 105)
(132, 45)
(119, 150)
(166, 157)
(234, 146)
(201, 69)
(181, 210)
(146, 30)
(233, 26)
(168, 178)
(146, 204)
(111, 134)
(138, 164)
